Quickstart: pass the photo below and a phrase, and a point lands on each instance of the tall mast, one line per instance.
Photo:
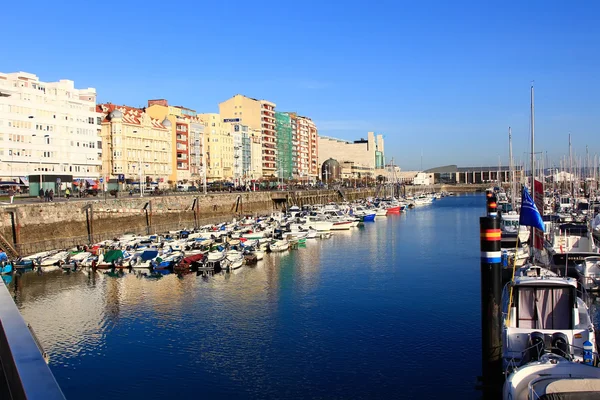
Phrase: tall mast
(570, 165)
(532, 147)
(511, 172)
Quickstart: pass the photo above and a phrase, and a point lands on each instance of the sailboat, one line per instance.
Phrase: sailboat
(548, 339)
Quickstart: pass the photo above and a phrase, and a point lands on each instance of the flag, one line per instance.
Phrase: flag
(530, 216)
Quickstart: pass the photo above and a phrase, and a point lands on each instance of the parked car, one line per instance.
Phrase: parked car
(192, 189)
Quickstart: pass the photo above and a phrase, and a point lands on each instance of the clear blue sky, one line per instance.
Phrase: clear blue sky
(447, 77)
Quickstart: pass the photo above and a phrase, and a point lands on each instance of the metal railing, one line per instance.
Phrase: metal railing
(23, 368)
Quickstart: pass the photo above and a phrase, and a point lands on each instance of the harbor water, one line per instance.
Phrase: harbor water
(387, 310)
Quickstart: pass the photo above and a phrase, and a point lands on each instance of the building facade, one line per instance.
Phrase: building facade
(283, 127)
(196, 150)
(307, 148)
(367, 155)
(219, 151)
(181, 120)
(48, 129)
(259, 115)
(255, 154)
(137, 146)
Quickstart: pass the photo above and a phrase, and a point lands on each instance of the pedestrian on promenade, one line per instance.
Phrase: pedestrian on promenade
(46, 196)
(11, 195)
(41, 193)
(51, 194)
(68, 193)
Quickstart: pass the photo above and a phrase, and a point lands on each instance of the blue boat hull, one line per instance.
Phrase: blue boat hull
(370, 217)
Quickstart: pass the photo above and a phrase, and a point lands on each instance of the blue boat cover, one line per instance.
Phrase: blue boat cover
(149, 255)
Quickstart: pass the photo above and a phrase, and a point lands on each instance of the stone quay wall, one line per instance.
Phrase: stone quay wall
(37, 227)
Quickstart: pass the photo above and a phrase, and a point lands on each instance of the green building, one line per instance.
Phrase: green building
(285, 162)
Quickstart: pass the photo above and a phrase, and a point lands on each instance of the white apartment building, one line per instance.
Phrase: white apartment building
(196, 143)
(49, 129)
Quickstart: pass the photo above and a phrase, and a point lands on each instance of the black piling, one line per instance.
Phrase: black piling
(491, 299)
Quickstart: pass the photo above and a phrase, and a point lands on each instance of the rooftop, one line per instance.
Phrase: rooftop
(131, 115)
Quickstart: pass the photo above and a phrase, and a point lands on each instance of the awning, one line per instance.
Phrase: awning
(91, 181)
(24, 180)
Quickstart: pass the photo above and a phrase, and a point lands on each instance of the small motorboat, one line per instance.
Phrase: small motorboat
(279, 246)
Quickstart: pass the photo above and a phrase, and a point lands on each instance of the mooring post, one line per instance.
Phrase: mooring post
(491, 297)
(148, 210)
(89, 220)
(195, 210)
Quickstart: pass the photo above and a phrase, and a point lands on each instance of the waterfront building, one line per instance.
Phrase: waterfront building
(196, 149)
(308, 148)
(304, 148)
(137, 147)
(241, 153)
(259, 115)
(366, 156)
(283, 127)
(181, 119)
(219, 153)
(255, 154)
(453, 174)
(47, 129)
(423, 179)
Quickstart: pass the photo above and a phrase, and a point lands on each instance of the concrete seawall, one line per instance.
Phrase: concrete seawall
(32, 228)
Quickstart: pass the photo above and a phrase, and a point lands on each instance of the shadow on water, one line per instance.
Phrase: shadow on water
(389, 310)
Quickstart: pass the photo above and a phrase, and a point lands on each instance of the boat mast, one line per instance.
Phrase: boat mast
(571, 165)
(532, 147)
(532, 230)
(511, 172)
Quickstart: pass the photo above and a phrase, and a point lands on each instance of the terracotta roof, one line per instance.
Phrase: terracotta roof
(131, 115)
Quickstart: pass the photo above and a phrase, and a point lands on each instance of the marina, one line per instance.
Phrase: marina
(297, 322)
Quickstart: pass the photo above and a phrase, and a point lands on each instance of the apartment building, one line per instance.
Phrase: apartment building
(305, 165)
(137, 146)
(48, 129)
(219, 154)
(255, 154)
(283, 127)
(183, 136)
(258, 115)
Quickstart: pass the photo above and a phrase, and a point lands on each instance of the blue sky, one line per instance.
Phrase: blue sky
(444, 77)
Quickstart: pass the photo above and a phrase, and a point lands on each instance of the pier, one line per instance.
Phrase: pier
(24, 373)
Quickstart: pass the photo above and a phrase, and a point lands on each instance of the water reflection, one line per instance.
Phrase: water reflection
(367, 303)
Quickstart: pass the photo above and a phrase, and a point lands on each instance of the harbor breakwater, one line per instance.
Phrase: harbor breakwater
(31, 228)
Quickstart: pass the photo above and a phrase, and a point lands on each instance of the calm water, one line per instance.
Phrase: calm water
(384, 311)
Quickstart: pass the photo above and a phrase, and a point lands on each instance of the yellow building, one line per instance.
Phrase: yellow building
(183, 136)
(259, 115)
(132, 139)
(255, 154)
(219, 147)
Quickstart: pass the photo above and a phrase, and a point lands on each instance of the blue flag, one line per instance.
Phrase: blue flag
(530, 216)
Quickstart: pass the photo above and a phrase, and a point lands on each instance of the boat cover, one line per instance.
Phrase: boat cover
(149, 255)
(113, 255)
(567, 389)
